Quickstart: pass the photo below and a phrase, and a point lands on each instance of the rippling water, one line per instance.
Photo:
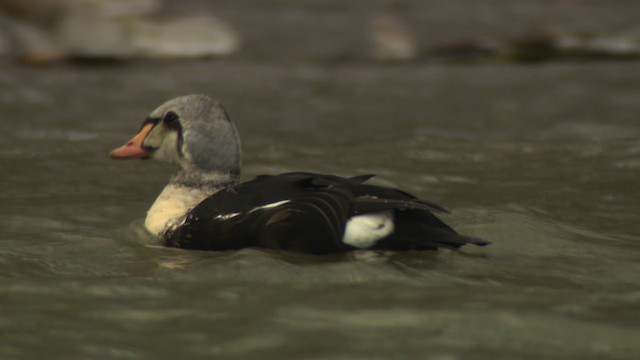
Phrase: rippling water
(543, 161)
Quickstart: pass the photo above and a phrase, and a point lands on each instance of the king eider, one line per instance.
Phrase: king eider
(204, 206)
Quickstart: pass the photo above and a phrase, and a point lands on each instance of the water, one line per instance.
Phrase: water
(543, 161)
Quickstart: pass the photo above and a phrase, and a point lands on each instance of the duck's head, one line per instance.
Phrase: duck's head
(192, 131)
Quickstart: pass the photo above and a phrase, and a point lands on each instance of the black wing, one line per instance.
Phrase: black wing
(308, 212)
(289, 211)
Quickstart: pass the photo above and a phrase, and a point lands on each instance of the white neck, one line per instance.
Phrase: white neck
(171, 206)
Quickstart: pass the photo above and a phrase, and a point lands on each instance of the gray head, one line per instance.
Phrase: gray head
(192, 131)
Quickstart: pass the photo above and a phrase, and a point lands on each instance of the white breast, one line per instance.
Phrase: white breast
(171, 206)
(363, 231)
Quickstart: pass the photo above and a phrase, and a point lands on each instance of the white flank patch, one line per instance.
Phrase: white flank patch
(363, 231)
(269, 206)
(224, 217)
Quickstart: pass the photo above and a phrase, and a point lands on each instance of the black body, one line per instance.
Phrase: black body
(313, 219)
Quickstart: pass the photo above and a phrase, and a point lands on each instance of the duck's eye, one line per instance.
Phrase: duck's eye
(171, 120)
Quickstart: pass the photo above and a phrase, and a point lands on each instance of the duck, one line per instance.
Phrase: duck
(206, 207)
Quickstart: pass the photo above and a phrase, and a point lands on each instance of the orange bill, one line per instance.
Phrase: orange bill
(133, 149)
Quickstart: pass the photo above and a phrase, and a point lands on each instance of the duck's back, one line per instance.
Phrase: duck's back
(314, 213)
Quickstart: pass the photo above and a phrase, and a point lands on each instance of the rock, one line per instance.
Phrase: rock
(89, 30)
(197, 36)
(36, 12)
(112, 30)
(33, 45)
(119, 8)
(391, 40)
(598, 45)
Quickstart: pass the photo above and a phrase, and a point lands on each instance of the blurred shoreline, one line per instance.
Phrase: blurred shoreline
(44, 31)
